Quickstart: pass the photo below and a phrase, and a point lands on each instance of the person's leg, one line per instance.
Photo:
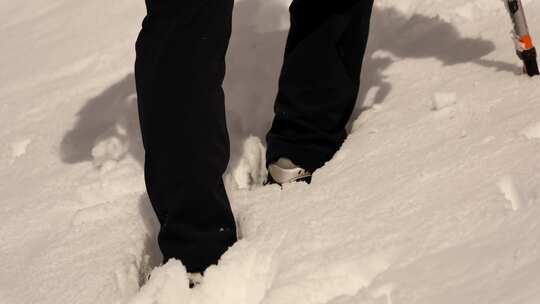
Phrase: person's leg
(179, 72)
(319, 81)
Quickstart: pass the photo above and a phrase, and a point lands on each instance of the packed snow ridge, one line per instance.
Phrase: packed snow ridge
(433, 198)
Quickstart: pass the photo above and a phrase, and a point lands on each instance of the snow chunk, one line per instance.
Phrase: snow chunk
(509, 189)
(167, 285)
(532, 131)
(110, 149)
(251, 168)
(443, 100)
(19, 148)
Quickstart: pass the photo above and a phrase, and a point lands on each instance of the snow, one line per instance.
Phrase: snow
(251, 167)
(508, 188)
(419, 206)
(19, 148)
(532, 131)
(443, 100)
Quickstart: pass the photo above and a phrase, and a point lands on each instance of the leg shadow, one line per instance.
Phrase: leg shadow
(111, 114)
(417, 37)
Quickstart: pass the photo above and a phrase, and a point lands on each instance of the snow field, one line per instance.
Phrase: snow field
(434, 197)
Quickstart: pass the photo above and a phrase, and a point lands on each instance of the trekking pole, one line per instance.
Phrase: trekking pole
(522, 39)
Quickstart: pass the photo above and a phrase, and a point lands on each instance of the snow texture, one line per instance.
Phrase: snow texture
(419, 206)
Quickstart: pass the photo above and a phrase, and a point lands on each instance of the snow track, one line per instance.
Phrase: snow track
(433, 198)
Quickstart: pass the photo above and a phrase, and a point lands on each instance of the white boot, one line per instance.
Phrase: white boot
(285, 171)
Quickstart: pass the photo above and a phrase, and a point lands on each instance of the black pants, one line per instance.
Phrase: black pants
(179, 72)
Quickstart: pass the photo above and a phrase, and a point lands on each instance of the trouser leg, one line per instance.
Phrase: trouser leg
(319, 81)
(179, 72)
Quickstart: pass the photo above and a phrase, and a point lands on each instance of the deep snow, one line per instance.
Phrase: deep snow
(434, 198)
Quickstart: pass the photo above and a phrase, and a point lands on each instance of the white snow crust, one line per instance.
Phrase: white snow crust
(434, 197)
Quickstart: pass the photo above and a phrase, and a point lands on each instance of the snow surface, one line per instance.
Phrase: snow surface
(434, 198)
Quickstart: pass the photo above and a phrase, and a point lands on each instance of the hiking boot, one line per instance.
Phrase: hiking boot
(284, 171)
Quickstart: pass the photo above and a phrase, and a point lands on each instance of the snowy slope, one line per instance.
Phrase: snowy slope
(434, 198)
